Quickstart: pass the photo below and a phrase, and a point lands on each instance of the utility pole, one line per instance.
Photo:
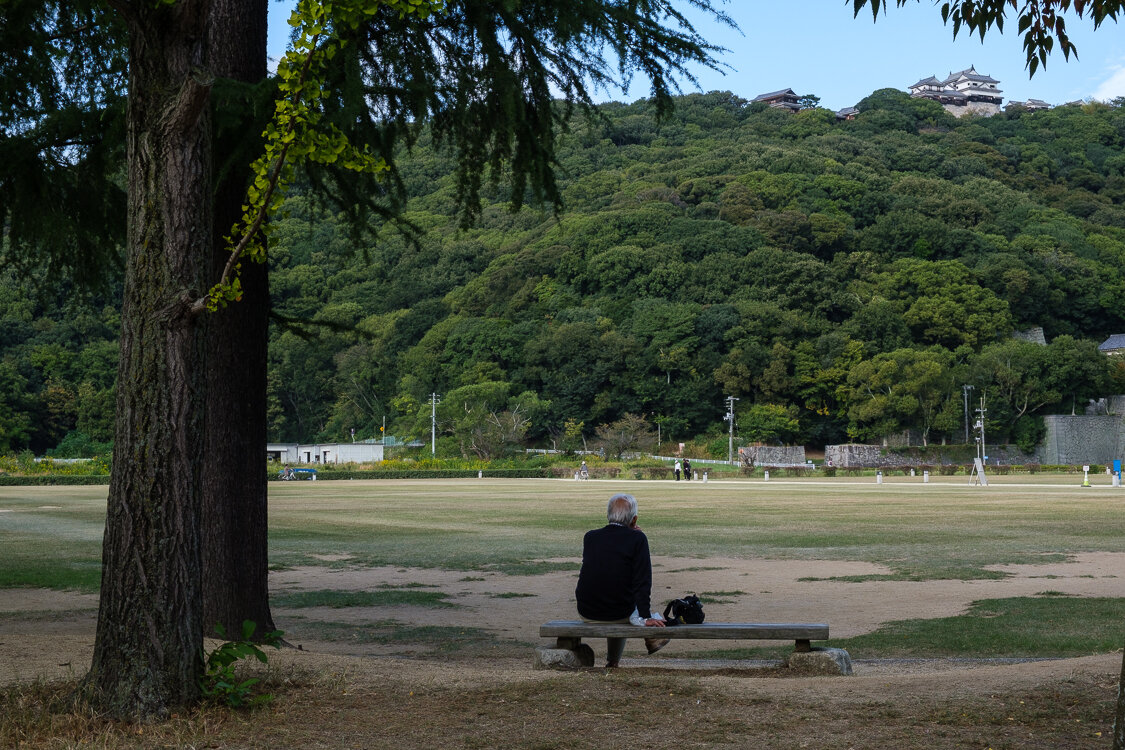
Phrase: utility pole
(980, 424)
(729, 417)
(434, 401)
(965, 397)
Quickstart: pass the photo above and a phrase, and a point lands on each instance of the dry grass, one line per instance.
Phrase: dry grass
(639, 707)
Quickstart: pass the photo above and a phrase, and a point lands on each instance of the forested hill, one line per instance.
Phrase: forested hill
(843, 279)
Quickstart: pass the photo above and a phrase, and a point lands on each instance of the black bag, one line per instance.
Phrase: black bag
(686, 611)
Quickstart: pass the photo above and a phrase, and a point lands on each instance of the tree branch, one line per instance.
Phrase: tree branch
(275, 177)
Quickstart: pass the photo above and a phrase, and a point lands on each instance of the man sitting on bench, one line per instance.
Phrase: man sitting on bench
(615, 581)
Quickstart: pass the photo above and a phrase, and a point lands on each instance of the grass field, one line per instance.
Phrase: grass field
(498, 537)
(945, 529)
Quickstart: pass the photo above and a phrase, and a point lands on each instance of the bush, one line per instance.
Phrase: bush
(1028, 432)
(329, 475)
(829, 471)
(79, 445)
(53, 479)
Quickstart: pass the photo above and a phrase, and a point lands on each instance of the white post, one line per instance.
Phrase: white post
(767, 475)
(925, 477)
(433, 424)
(878, 477)
(730, 418)
(704, 476)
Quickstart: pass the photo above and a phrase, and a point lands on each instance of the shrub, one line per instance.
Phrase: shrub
(219, 682)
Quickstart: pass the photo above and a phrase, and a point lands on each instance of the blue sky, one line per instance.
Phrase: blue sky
(816, 47)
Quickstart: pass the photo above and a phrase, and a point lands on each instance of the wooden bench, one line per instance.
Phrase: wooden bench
(570, 652)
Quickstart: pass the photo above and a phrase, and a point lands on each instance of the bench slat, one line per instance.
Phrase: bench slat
(784, 631)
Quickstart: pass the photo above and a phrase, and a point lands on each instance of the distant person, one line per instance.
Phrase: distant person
(678, 470)
(615, 582)
(687, 469)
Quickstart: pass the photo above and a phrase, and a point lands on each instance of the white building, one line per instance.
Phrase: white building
(961, 93)
(324, 453)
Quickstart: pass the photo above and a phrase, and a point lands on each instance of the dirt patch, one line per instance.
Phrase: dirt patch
(344, 693)
(749, 590)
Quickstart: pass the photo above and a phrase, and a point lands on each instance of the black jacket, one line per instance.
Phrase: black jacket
(616, 574)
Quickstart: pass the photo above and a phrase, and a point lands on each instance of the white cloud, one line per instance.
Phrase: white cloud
(1112, 87)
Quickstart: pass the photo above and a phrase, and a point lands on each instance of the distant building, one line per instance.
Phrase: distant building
(847, 113)
(1031, 105)
(961, 93)
(784, 99)
(324, 453)
(1115, 344)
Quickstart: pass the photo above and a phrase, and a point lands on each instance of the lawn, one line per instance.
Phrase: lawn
(944, 529)
(445, 675)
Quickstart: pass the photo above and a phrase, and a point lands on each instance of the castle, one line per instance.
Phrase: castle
(961, 93)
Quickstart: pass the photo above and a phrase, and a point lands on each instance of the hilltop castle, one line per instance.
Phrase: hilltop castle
(961, 93)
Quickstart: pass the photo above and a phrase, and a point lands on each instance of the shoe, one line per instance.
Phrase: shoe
(611, 665)
(655, 644)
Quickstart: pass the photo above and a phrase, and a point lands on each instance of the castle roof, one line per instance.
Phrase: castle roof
(774, 95)
(971, 74)
(931, 81)
(1113, 343)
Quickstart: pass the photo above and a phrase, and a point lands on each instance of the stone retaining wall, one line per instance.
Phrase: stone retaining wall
(771, 455)
(857, 456)
(1083, 439)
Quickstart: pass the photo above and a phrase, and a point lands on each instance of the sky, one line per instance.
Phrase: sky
(817, 47)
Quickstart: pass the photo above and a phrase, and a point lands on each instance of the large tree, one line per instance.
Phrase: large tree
(483, 75)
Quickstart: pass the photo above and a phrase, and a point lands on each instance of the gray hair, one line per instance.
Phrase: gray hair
(622, 509)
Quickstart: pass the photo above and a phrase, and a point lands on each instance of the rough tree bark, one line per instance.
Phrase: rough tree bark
(149, 634)
(235, 561)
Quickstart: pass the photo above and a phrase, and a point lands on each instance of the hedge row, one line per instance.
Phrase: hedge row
(52, 479)
(332, 474)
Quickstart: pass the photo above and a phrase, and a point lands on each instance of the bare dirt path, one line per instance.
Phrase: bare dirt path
(50, 634)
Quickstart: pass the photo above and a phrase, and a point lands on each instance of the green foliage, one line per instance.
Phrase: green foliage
(1028, 431)
(769, 423)
(220, 683)
(853, 274)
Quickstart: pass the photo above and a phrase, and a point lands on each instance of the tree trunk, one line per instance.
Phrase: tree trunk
(149, 634)
(234, 485)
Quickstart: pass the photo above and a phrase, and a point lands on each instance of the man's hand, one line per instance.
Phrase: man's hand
(654, 622)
